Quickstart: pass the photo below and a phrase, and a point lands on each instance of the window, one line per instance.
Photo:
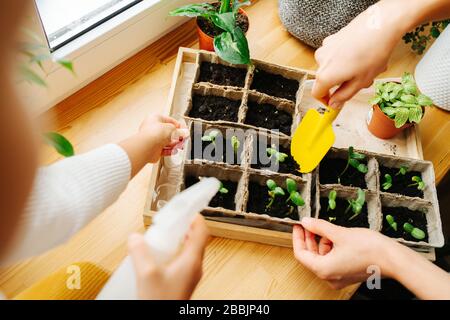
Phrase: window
(95, 35)
(65, 20)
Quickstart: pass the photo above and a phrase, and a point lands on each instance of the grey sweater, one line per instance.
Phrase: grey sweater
(311, 21)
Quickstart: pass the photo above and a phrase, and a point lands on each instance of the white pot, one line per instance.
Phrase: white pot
(433, 71)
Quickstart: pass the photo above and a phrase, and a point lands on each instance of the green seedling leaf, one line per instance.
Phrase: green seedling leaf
(211, 136)
(68, 65)
(279, 191)
(418, 182)
(235, 143)
(387, 184)
(332, 200)
(408, 227)
(331, 219)
(60, 143)
(297, 199)
(279, 156)
(390, 220)
(291, 185)
(357, 204)
(402, 170)
(271, 184)
(222, 189)
(417, 233)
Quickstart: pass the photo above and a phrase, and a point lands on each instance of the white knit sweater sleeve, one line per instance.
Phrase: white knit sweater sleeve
(67, 195)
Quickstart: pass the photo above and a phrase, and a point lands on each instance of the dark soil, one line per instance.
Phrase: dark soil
(259, 198)
(402, 215)
(222, 75)
(216, 152)
(331, 168)
(222, 200)
(361, 221)
(212, 108)
(211, 30)
(287, 166)
(268, 116)
(274, 85)
(400, 182)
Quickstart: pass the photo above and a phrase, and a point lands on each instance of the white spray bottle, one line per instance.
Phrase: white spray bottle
(164, 237)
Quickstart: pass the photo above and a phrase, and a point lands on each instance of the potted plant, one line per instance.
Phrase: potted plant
(396, 106)
(221, 27)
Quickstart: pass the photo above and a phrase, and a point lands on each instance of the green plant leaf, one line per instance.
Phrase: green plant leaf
(418, 233)
(332, 199)
(424, 100)
(401, 117)
(297, 199)
(235, 143)
(402, 170)
(271, 184)
(408, 98)
(238, 4)
(232, 48)
(415, 114)
(194, 10)
(207, 138)
(60, 143)
(390, 111)
(280, 156)
(278, 191)
(225, 6)
(361, 199)
(408, 227)
(362, 168)
(291, 186)
(387, 184)
(375, 100)
(225, 21)
(68, 65)
(32, 77)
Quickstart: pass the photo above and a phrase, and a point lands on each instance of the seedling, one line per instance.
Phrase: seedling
(418, 182)
(211, 136)
(416, 233)
(273, 152)
(391, 221)
(402, 170)
(353, 159)
(387, 184)
(222, 189)
(356, 204)
(331, 219)
(294, 195)
(235, 143)
(274, 191)
(332, 200)
(401, 102)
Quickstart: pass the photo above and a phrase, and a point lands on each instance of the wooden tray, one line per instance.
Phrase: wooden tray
(350, 128)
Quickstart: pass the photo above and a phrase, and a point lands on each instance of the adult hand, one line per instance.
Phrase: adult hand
(342, 255)
(351, 58)
(176, 280)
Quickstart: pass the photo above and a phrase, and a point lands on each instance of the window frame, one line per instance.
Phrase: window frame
(91, 53)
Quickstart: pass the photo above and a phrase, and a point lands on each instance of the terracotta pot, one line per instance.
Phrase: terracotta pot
(205, 41)
(381, 126)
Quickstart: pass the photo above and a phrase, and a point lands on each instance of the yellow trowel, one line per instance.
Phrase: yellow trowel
(313, 138)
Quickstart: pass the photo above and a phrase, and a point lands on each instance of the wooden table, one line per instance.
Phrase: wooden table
(112, 108)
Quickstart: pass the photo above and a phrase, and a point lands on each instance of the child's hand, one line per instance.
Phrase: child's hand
(178, 279)
(158, 135)
(342, 255)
